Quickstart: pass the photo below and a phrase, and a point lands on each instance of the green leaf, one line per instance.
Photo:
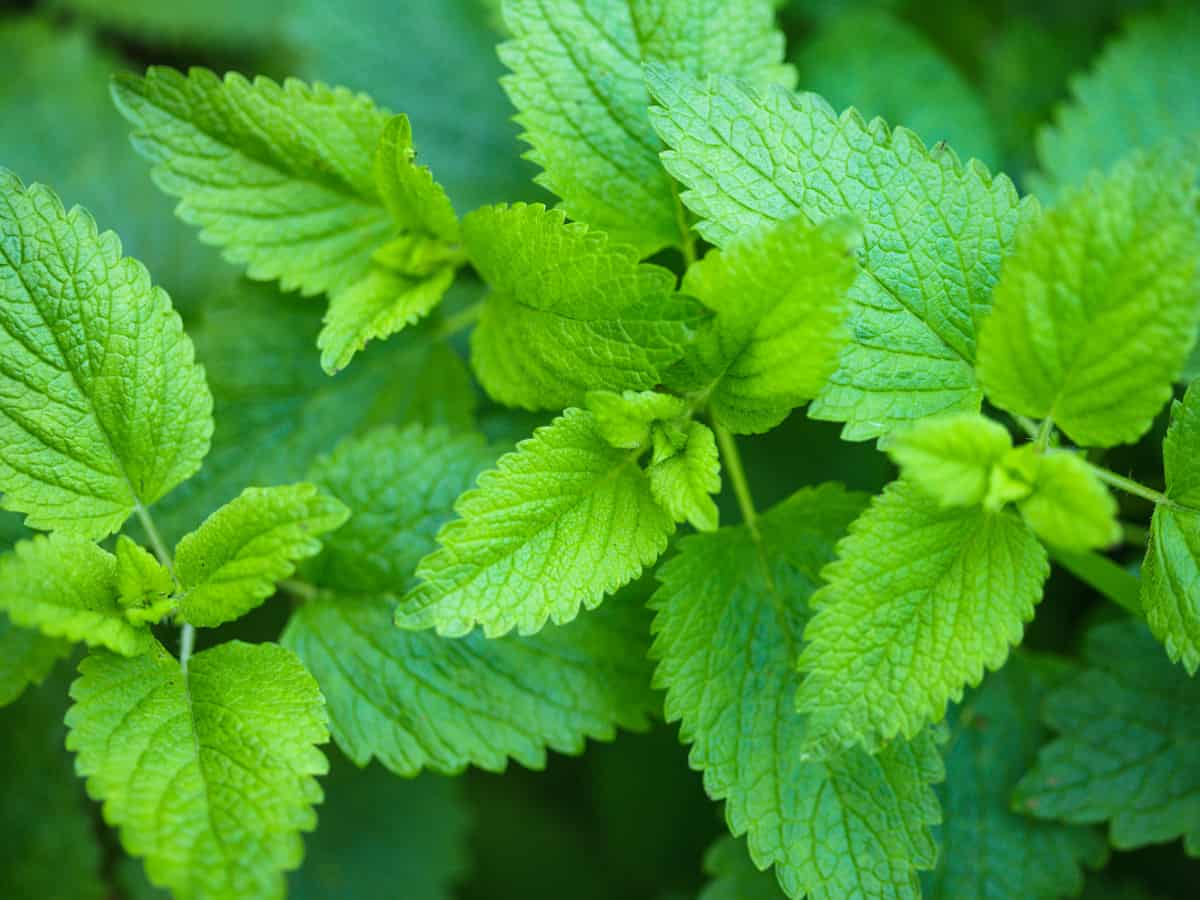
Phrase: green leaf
(67, 587)
(1138, 94)
(1128, 748)
(683, 483)
(557, 525)
(734, 876)
(413, 699)
(987, 851)
(779, 295)
(415, 201)
(1068, 506)
(26, 657)
(232, 562)
(378, 306)
(415, 837)
(872, 60)
(569, 311)
(731, 611)
(921, 600)
(101, 405)
(446, 80)
(578, 84)
(1171, 571)
(271, 395)
(625, 419)
(925, 279)
(951, 458)
(1096, 311)
(280, 177)
(208, 773)
(49, 844)
(144, 585)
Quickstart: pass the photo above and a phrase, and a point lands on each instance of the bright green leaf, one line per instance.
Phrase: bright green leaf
(989, 852)
(625, 419)
(874, 61)
(144, 585)
(1097, 309)
(731, 611)
(780, 299)
(683, 483)
(1181, 450)
(232, 562)
(921, 600)
(101, 405)
(67, 587)
(951, 457)
(569, 311)
(925, 279)
(1068, 505)
(208, 774)
(1128, 750)
(578, 84)
(1142, 91)
(416, 202)
(556, 526)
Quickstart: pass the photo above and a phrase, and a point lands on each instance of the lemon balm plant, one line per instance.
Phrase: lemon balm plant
(725, 250)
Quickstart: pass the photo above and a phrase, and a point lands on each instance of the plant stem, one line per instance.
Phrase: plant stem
(1045, 431)
(301, 589)
(737, 477)
(187, 640)
(1027, 425)
(156, 541)
(1129, 486)
(460, 321)
(1105, 576)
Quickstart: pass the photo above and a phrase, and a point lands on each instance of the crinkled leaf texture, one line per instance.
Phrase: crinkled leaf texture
(934, 231)
(683, 483)
(1128, 750)
(208, 774)
(102, 407)
(67, 587)
(26, 656)
(232, 562)
(730, 614)
(280, 177)
(415, 700)
(920, 601)
(1068, 507)
(780, 299)
(1171, 572)
(559, 524)
(1143, 91)
(1096, 310)
(986, 850)
(577, 82)
(569, 310)
(951, 457)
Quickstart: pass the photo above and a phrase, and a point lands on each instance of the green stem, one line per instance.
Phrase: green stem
(187, 640)
(1045, 431)
(1105, 576)
(156, 541)
(460, 321)
(1027, 425)
(1129, 486)
(301, 589)
(737, 477)
(688, 241)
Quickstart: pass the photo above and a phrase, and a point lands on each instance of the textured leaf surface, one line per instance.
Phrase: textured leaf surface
(734, 876)
(270, 394)
(920, 601)
(873, 61)
(556, 526)
(780, 300)
(210, 774)
(101, 405)
(1142, 91)
(67, 587)
(1069, 506)
(934, 232)
(951, 457)
(50, 848)
(683, 483)
(731, 612)
(379, 832)
(1128, 744)
(987, 851)
(232, 562)
(626, 420)
(1171, 572)
(446, 81)
(577, 82)
(280, 177)
(415, 700)
(1096, 310)
(569, 311)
